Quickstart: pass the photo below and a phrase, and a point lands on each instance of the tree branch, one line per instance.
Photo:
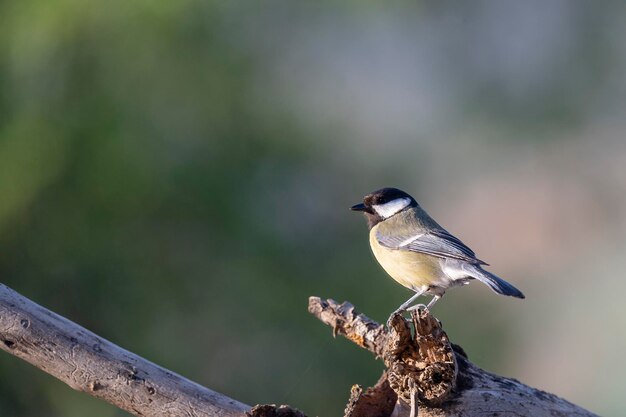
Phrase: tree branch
(88, 363)
(426, 366)
(425, 372)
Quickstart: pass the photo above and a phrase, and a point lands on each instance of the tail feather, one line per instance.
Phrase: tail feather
(494, 282)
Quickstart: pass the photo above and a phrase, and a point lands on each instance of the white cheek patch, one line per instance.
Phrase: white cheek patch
(389, 209)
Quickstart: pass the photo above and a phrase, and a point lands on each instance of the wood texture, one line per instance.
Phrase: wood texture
(89, 363)
(425, 363)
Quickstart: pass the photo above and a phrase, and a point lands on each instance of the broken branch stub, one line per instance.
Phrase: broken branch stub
(424, 360)
(346, 321)
(378, 400)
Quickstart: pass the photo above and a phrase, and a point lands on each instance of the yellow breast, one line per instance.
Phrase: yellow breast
(412, 269)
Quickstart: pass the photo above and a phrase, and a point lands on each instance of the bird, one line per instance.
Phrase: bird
(418, 253)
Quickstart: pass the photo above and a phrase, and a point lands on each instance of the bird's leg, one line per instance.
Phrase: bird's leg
(404, 306)
(418, 307)
(433, 301)
(425, 307)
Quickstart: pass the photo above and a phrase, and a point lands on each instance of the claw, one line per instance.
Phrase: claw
(392, 316)
(398, 311)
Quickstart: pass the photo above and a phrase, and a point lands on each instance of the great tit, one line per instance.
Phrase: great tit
(417, 252)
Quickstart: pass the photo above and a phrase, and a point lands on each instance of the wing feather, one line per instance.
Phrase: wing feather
(436, 242)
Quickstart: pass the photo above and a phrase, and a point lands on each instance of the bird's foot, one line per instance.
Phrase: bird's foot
(398, 311)
(402, 310)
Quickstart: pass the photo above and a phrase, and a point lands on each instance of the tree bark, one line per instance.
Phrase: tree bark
(89, 363)
(427, 375)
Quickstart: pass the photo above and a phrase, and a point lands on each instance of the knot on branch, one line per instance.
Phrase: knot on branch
(422, 360)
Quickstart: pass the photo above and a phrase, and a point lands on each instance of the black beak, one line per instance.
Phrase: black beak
(358, 207)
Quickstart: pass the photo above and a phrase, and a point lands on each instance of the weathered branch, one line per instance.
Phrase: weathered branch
(437, 374)
(425, 372)
(88, 363)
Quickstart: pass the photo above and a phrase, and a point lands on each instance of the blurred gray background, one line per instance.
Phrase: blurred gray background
(176, 177)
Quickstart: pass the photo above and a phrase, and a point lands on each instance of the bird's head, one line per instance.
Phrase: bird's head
(382, 204)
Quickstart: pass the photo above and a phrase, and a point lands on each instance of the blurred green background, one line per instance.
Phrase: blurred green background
(176, 177)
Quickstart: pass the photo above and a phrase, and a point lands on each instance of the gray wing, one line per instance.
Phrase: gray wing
(438, 243)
